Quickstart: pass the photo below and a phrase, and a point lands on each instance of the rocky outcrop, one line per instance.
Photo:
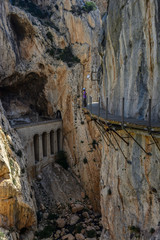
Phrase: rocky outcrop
(102, 6)
(16, 205)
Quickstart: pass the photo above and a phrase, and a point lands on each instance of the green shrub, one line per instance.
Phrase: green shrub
(78, 228)
(1, 235)
(61, 159)
(64, 54)
(52, 216)
(46, 232)
(89, 6)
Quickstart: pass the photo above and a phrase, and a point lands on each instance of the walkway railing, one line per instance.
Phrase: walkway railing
(145, 118)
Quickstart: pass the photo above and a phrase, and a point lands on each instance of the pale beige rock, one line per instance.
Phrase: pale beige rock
(91, 21)
(68, 237)
(61, 222)
(77, 208)
(67, 5)
(85, 214)
(15, 197)
(74, 219)
(79, 236)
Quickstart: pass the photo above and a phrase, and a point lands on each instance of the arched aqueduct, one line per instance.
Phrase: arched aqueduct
(41, 141)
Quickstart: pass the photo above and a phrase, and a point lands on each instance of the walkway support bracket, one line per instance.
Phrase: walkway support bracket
(122, 112)
(149, 115)
(106, 108)
(148, 153)
(99, 103)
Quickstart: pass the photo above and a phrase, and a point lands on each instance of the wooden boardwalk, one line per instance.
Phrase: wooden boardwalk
(99, 113)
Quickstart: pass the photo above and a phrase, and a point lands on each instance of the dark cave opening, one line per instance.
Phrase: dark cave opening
(25, 97)
(18, 27)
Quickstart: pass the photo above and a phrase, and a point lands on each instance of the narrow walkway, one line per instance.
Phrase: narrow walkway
(100, 113)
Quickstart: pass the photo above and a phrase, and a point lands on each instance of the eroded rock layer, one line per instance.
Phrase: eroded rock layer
(131, 57)
(48, 54)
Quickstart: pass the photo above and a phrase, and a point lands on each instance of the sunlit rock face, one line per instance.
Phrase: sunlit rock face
(129, 187)
(16, 204)
(131, 57)
(48, 54)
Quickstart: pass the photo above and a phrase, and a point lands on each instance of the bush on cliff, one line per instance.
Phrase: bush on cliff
(89, 6)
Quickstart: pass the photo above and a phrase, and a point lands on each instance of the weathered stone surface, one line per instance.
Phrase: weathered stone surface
(61, 222)
(79, 236)
(131, 69)
(77, 208)
(51, 82)
(74, 219)
(16, 205)
(131, 65)
(68, 236)
(130, 203)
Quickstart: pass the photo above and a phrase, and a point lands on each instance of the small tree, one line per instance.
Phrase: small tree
(89, 6)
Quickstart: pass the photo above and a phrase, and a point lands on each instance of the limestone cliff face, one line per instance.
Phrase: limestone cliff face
(130, 187)
(131, 57)
(102, 6)
(49, 53)
(16, 205)
(130, 190)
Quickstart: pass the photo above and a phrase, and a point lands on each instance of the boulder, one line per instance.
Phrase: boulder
(61, 222)
(74, 219)
(68, 237)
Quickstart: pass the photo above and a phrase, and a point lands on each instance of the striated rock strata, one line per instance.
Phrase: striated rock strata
(48, 54)
(16, 205)
(129, 187)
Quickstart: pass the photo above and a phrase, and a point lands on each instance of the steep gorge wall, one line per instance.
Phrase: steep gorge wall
(130, 190)
(46, 60)
(17, 210)
(131, 57)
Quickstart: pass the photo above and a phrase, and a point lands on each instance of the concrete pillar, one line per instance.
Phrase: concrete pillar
(48, 145)
(55, 142)
(40, 148)
(30, 151)
(52, 148)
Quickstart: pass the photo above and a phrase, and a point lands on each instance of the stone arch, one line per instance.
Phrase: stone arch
(36, 147)
(52, 142)
(44, 144)
(58, 140)
(58, 114)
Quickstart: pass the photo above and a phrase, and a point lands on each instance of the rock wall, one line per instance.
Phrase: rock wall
(131, 57)
(16, 204)
(51, 50)
(130, 187)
